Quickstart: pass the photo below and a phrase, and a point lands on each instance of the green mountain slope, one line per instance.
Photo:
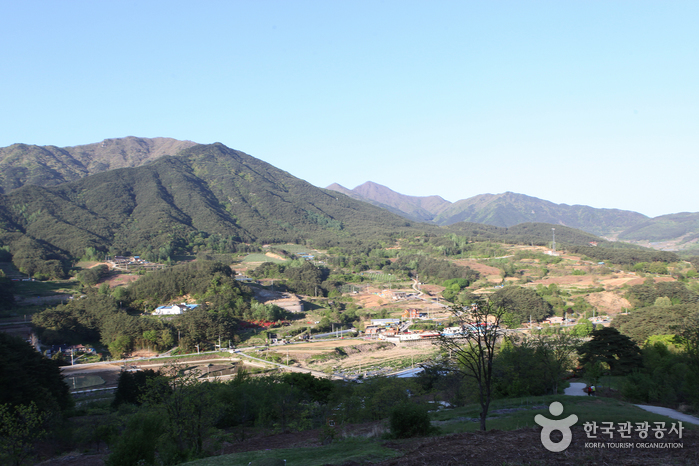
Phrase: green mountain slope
(22, 164)
(681, 228)
(205, 190)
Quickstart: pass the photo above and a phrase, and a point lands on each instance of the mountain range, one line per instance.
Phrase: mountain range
(672, 232)
(162, 195)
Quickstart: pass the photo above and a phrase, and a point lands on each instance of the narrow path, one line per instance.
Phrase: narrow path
(671, 413)
(576, 389)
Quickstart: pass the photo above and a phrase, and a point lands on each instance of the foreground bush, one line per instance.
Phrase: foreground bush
(410, 420)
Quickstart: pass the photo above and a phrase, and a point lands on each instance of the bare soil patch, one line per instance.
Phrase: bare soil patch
(608, 301)
(431, 290)
(275, 256)
(119, 280)
(484, 270)
(641, 280)
(369, 298)
(523, 447)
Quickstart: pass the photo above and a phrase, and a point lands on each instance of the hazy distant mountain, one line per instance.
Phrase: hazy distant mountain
(22, 164)
(421, 209)
(509, 209)
(670, 232)
(503, 210)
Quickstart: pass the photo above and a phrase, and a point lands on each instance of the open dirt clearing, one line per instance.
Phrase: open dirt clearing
(523, 446)
(492, 274)
(118, 280)
(608, 301)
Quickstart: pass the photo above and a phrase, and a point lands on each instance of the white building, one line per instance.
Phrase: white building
(173, 309)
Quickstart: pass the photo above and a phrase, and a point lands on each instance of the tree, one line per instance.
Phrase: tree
(31, 376)
(120, 346)
(688, 336)
(609, 346)
(7, 295)
(189, 408)
(473, 349)
(137, 444)
(583, 328)
(556, 353)
(132, 386)
(19, 429)
(522, 302)
(409, 420)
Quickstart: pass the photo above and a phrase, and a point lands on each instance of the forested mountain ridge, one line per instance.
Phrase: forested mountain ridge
(682, 226)
(206, 190)
(22, 164)
(510, 209)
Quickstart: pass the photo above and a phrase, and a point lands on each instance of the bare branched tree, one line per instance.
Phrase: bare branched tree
(471, 345)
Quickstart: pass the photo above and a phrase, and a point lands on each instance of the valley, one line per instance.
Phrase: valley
(191, 281)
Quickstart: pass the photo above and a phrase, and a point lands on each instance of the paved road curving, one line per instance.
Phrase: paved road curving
(576, 389)
(671, 413)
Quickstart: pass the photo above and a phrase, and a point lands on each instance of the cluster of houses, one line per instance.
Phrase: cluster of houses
(132, 263)
(556, 320)
(124, 260)
(69, 349)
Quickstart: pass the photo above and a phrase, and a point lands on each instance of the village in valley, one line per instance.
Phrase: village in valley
(397, 327)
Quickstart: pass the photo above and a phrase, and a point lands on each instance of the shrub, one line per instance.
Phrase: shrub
(409, 420)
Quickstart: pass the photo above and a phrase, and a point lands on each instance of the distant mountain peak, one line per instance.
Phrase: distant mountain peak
(22, 164)
(417, 208)
(503, 209)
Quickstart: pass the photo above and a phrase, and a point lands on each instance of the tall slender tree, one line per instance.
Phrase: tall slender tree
(472, 348)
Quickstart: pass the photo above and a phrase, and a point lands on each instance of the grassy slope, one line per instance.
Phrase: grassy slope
(521, 415)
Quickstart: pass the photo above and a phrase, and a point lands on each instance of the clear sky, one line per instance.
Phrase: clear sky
(576, 102)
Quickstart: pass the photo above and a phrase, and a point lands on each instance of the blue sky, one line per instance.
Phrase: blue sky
(576, 102)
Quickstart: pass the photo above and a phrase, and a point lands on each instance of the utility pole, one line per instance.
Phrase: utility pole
(554, 240)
